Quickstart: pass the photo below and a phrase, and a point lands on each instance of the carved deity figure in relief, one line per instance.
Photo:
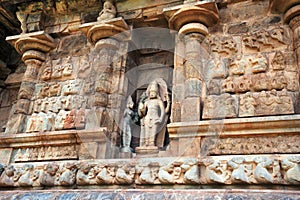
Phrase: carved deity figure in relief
(109, 11)
(127, 121)
(25, 179)
(228, 85)
(84, 67)
(241, 171)
(149, 174)
(60, 119)
(8, 177)
(83, 177)
(259, 64)
(285, 102)
(70, 120)
(278, 62)
(216, 171)
(217, 68)
(238, 66)
(170, 174)
(46, 74)
(247, 105)
(125, 174)
(73, 87)
(57, 71)
(106, 175)
(261, 172)
(67, 174)
(191, 172)
(48, 176)
(80, 119)
(67, 67)
(291, 165)
(260, 82)
(153, 114)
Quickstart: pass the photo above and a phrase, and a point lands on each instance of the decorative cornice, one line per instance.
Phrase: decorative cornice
(237, 127)
(52, 138)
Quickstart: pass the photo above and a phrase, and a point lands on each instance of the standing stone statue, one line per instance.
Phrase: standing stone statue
(153, 113)
(109, 11)
(128, 115)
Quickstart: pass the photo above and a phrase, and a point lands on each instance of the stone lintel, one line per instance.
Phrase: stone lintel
(286, 124)
(204, 12)
(52, 138)
(281, 6)
(40, 41)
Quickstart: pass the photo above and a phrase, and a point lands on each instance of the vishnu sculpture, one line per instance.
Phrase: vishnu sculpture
(152, 112)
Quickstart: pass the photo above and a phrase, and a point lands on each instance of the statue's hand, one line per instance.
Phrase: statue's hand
(158, 121)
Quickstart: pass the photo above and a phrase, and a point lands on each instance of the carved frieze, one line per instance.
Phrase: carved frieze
(266, 103)
(225, 46)
(248, 169)
(40, 122)
(267, 39)
(46, 153)
(253, 145)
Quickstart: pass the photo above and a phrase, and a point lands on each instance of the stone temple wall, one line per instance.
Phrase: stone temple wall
(150, 94)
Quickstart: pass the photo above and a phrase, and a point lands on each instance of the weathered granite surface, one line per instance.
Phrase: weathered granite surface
(120, 194)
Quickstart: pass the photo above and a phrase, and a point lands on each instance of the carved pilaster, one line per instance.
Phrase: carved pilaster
(191, 20)
(33, 48)
(107, 38)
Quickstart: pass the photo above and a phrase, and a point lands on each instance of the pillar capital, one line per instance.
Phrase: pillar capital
(32, 45)
(282, 6)
(194, 17)
(114, 28)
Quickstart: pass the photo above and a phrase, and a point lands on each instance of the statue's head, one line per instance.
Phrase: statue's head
(153, 90)
(129, 102)
(108, 5)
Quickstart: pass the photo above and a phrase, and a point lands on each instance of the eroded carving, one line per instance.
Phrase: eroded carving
(221, 106)
(265, 39)
(226, 46)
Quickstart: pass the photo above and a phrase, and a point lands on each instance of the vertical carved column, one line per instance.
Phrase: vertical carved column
(107, 38)
(292, 17)
(191, 22)
(33, 48)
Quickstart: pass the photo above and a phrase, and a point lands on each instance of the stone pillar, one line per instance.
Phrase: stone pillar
(107, 38)
(33, 48)
(191, 21)
(292, 17)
